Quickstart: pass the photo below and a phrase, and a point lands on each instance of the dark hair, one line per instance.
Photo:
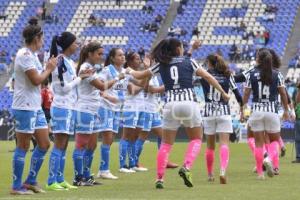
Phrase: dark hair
(64, 40)
(264, 58)
(275, 59)
(166, 50)
(32, 30)
(112, 53)
(219, 64)
(91, 47)
(129, 58)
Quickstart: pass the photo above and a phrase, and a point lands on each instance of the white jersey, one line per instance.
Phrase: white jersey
(26, 95)
(135, 102)
(65, 93)
(118, 90)
(88, 95)
(151, 99)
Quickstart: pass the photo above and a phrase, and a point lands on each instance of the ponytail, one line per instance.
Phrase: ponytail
(264, 58)
(54, 49)
(219, 64)
(84, 53)
(53, 52)
(82, 57)
(166, 50)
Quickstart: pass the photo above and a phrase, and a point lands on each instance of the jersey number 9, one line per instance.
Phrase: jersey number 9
(174, 74)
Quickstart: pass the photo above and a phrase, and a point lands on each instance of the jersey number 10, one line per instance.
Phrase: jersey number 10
(214, 94)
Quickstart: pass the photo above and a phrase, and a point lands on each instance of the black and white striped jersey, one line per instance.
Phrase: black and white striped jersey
(215, 105)
(265, 97)
(177, 77)
(242, 77)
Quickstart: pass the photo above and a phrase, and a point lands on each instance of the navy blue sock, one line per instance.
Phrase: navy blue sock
(158, 142)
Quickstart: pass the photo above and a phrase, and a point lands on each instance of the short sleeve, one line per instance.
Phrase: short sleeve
(232, 83)
(104, 74)
(195, 65)
(154, 69)
(27, 62)
(280, 80)
(246, 73)
(151, 82)
(91, 78)
(248, 82)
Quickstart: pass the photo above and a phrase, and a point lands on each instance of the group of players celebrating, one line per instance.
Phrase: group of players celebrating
(88, 101)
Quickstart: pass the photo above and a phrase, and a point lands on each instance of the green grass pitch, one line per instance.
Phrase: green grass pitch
(242, 183)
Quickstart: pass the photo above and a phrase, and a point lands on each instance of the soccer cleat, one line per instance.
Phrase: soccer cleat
(282, 152)
(276, 171)
(296, 161)
(211, 178)
(106, 175)
(67, 185)
(125, 170)
(261, 177)
(22, 191)
(171, 165)
(139, 169)
(79, 181)
(55, 187)
(269, 167)
(92, 181)
(34, 188)
(159, 184)
(186, 175)
(223, 179)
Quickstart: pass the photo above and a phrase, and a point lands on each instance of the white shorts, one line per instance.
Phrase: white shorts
(265, 121)
(217, 124)
(185, 113)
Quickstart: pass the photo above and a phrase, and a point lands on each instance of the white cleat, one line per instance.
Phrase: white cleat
(223, 178)
(125, 170)
(106, 175)
(269, 167)
(139, 169)
(261, 177)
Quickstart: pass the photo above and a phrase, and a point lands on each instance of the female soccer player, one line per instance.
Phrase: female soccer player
(64, 85)
(265, 84)
(217, 118)
(181, 107)
(110, 108)
(133, 118)
(87, 119)
(250, 137)
(28, 114)
(152, 117)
